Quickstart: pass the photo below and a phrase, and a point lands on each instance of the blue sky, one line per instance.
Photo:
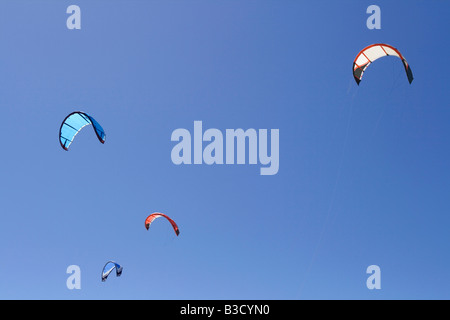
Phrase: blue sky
(364, 171)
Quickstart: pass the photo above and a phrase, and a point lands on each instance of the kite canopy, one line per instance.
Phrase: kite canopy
(155, 215)
(109, 267)
(371, 53)
(73, 123)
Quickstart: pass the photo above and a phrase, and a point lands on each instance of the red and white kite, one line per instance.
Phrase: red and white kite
(371, 53)
(155, 215)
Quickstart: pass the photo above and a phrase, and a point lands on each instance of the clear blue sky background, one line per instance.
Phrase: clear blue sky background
(364, 171)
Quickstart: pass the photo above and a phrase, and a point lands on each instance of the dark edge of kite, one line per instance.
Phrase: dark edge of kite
(408, 70)
(119, 270)
(355, 77)
(93, 126)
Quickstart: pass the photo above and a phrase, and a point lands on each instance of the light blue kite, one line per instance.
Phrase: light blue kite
(73, 123)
